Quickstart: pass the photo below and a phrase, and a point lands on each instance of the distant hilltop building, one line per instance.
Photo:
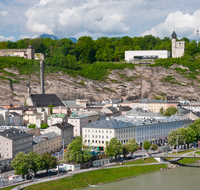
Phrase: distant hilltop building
(178, 47)
(132, 55)
(28, 53)
(178, 50)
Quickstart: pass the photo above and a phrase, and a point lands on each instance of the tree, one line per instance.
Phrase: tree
(21, 164)
(154, 147)
(114, 148)
(125, 150)
(86, 155)
(75, 153)
(172, 139)
(36, 162)
(146, 145)
(170, 111)
(85, 49)
(196, 127)
(48, 161)
(161, 111)
(189, 135)
(133, 146)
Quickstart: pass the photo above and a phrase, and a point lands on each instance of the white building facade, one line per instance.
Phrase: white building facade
(178, 47)
(126, 127)
(146, 54)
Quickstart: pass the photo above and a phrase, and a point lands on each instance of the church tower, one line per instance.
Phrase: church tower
(174, 36)
(178, 47)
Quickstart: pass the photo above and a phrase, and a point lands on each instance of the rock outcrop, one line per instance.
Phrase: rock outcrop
(142, 82)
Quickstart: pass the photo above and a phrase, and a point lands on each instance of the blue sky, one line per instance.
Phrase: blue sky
(74, 18)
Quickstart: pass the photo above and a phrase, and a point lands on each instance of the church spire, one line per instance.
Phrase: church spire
(174, 36)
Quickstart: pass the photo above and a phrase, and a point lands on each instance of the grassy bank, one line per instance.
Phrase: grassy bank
(11, 187)
(96, 177)
(140, 161)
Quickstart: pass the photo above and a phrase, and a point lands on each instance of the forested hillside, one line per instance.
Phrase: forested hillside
(94, 59)
(67, 54)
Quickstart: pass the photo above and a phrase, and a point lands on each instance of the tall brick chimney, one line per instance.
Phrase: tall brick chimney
(42, 76)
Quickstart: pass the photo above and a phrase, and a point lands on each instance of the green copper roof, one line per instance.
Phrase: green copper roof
(57, 115)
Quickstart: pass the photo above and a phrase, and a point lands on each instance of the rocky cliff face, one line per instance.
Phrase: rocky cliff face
(143, 82)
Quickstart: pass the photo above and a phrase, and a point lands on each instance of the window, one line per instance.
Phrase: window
(99, 131)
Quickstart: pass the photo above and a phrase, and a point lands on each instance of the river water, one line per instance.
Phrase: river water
(184, 178)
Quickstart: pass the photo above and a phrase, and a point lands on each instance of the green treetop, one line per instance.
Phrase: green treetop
(132, 145)
(172, 138)
(114, 148)
(35, 161)
(21, 164)
(170, 111)
(49, 161)
(75, 153)
(146, 145)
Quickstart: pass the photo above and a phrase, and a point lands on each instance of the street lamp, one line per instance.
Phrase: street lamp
(177, 144)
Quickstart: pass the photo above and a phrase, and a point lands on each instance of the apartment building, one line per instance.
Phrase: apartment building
(66, 130)
(56, 118)
(92, 115)
(32, 117)
(78, 121)
(49, 142)
(13, 140)
(154, 105)
(139, 126)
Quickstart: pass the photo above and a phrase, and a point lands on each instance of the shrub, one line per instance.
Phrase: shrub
(33, 126)
(44, 126)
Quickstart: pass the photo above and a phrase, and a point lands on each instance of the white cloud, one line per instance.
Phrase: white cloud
(184, 24)
(39, 28)
(69, 18)
(3, 13)
(3, 38)
(65, 18)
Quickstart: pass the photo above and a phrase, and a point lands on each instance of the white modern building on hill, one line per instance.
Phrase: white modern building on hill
(146, 54)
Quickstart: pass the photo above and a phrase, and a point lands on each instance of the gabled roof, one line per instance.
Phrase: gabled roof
(63, 125)
(126, 108)
(14, 114)
(14, 133)
(19, 108)
(45, 137)
(43, 100)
